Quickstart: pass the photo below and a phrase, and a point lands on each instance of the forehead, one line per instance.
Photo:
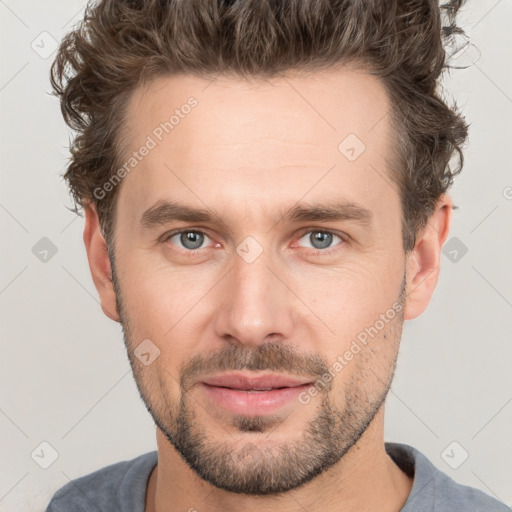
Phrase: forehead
(225, 137)
(324, 106)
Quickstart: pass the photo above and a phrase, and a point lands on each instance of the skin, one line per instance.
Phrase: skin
(246, 151)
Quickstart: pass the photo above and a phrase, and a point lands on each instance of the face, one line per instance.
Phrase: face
(261, 238)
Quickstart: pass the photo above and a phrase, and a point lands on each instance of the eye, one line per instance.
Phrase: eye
(190, 240)
(320, 240)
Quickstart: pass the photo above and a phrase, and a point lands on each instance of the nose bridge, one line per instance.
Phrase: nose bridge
(255, 303)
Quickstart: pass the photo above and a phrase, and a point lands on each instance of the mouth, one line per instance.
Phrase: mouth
(253, 395)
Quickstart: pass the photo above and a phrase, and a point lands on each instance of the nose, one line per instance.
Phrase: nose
(256, 306)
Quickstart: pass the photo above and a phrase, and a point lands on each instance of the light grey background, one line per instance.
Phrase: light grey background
(64, 374)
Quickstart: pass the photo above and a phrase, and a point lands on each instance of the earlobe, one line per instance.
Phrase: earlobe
(423, 263)
(99, 263)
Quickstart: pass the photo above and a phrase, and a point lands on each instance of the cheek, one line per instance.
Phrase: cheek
(359, 303)
(167, 306)
(156, 309)
(350, 298)
(362, 367)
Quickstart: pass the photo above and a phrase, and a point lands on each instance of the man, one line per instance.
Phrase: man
(265, 195)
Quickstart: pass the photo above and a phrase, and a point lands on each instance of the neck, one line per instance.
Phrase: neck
(364, 480)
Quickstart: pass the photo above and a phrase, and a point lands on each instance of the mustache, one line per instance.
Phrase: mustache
(271, 356)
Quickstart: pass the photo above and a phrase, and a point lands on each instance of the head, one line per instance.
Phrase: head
(265, 190)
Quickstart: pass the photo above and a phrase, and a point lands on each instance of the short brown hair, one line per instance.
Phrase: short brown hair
(121, 44)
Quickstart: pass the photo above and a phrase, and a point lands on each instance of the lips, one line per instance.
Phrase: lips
(253, 395)
(241, 382)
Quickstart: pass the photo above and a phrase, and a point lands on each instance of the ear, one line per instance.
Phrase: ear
(99, 262)
(423, 262)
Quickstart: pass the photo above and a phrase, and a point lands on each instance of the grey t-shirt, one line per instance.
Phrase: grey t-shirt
(121, 487)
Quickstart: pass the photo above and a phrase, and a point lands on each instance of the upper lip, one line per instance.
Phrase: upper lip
(267, 381)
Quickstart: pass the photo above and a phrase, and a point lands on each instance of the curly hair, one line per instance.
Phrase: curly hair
(120, 45)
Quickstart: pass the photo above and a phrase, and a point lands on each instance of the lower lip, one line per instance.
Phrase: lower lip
(253, 403)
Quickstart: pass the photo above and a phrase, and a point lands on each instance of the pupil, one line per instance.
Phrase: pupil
(323, 238)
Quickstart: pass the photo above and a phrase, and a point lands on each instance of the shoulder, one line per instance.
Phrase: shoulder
(108, 488)
(434, 490)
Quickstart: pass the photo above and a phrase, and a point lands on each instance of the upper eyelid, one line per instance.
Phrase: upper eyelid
(320, 230)
(170, 234)
(344, 238)
(167, 236)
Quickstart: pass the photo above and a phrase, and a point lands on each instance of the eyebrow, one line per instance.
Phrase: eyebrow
(164, 212)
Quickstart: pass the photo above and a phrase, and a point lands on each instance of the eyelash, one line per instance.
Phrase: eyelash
(327, 251)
